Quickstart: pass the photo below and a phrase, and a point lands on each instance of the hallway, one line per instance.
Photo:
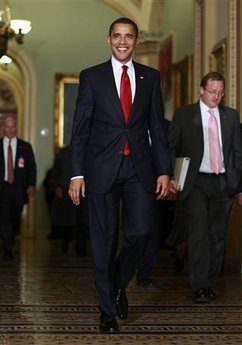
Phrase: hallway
(48, 298)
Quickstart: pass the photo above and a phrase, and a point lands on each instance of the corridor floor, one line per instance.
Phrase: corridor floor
(48, 298)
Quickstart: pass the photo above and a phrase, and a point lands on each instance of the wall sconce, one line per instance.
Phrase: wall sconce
(5, 61)
(11, 29)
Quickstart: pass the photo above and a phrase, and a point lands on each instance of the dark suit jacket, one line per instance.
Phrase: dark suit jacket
(24, 176)
(99, 131)
(186, 140)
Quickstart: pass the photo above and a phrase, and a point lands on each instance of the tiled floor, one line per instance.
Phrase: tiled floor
(47, 297)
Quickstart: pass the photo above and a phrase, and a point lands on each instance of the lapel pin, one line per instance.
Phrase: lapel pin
(141, 77)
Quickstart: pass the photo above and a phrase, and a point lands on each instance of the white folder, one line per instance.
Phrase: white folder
(180, 171)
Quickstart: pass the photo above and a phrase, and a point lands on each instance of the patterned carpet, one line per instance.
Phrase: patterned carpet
(48, 298)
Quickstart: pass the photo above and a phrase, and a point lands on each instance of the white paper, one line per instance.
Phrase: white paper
(180, 171)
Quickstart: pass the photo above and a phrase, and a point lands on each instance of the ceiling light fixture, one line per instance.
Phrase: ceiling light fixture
(11, 29)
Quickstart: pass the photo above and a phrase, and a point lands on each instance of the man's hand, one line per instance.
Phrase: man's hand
(173, 190)
(239, 198)
(77, 189)
(162, 186)
(31, 191)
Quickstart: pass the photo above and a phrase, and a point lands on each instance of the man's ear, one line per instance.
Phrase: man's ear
(137, 42)
(201, 91)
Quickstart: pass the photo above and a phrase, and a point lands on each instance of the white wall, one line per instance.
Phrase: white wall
(177, 19)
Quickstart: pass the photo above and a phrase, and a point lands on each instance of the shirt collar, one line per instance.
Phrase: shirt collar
(118, 65)
(205, 108)
(13, 140)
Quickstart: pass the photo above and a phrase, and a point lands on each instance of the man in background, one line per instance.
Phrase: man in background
(209, 134)
(68, 221)
(17, 183)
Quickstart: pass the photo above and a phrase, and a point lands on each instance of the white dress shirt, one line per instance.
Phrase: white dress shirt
(117, 72)
(205, 164)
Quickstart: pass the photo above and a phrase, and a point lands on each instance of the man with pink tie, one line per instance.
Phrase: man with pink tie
(209, 134)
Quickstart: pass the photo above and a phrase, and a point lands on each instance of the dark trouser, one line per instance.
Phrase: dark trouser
(156, 238)
(207, 211)
(151, 248)
(10, 216)
(104, 210)
(82, 227)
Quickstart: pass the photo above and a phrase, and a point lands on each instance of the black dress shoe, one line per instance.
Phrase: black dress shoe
(122, 304)
(108, 324)
(201, 296)
(147, 283)
(211, 294)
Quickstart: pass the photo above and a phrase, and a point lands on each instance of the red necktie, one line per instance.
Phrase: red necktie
(216, 162)
(10, 163)
(126, 102)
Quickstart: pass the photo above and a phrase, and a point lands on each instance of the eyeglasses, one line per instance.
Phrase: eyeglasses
(215, 93)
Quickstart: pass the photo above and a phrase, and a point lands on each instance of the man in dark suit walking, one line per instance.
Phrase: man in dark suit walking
(119, 152)
(209, 133)
(17, 183)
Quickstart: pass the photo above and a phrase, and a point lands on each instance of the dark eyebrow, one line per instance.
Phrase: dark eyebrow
(116, 34)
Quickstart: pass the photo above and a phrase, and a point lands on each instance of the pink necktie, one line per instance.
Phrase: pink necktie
(10, 163)
(216, 162)
(126, 102)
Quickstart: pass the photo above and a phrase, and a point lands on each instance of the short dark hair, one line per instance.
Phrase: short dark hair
(124, 20)
(211, 76)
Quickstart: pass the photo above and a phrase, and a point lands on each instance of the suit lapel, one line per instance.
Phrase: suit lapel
(110, 88)
(139, 80)
(17, 153)
(197, 119)
(1, 153)
(223, 123)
